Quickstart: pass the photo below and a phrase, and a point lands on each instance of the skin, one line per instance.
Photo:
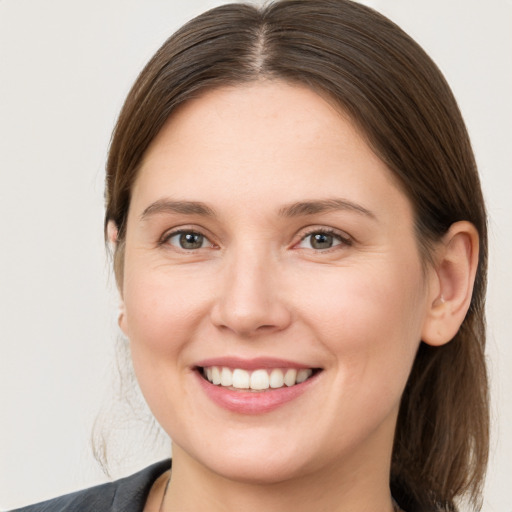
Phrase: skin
(257, 287)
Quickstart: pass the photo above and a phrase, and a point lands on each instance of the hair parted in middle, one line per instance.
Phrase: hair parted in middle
(370, 70)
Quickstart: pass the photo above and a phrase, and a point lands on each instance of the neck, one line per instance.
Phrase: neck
(356, 487)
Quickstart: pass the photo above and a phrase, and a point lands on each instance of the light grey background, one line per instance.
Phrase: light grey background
(65, 67)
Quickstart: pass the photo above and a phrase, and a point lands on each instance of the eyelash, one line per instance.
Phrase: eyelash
(343, 240)
(169, 235)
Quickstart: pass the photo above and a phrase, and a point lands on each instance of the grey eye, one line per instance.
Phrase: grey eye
(188, 240)
(320, 241)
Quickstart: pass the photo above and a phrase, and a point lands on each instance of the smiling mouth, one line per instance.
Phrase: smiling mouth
(256, 380)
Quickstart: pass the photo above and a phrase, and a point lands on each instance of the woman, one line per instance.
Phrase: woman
(300, 250)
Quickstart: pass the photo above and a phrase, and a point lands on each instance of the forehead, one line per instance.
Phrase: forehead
(263, 138)
(263, 112)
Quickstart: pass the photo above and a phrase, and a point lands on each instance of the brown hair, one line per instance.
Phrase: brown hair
(394, 92)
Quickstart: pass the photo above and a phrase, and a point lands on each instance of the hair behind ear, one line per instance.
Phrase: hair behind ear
(442, 434)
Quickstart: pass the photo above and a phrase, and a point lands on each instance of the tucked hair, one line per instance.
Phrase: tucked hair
(400, 101)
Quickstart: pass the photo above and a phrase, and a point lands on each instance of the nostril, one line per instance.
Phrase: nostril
(248, 302)
(250, 320)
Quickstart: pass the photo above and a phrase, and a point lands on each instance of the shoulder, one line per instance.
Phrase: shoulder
(125, 495)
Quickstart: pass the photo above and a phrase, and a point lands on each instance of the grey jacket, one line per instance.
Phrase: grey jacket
(125, 495)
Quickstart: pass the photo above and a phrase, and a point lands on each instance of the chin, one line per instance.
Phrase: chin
(254, 461)
(259, 471)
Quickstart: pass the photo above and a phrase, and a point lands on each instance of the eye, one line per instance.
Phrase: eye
(322, 240)
(188, 240)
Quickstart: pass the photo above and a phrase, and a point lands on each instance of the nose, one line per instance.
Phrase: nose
(251, 300)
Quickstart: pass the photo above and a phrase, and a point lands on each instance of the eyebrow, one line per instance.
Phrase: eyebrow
(298, 209)
(183, 207)
(304, 208)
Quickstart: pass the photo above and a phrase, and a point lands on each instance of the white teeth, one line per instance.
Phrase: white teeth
(276, 378)
(290, 377)
(241, 379)
(258, 380)
(215, 375)
(303, 374)
(226, 377)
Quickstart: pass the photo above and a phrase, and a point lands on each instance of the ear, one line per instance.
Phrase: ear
(112, 235)
(121, 319)
(453, 276)
(112, 232)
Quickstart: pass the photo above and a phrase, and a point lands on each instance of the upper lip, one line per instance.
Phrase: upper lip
(251, 364)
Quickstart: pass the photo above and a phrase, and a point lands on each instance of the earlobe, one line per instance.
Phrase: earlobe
(121, 319)
(113, 240)
(454, 273)
(112, 232)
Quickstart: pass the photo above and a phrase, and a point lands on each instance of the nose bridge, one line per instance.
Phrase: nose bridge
(250, 300)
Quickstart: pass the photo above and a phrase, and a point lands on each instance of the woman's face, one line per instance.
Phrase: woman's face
(266, 242)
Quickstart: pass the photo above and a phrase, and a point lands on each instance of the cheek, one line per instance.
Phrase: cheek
(162, 309)
(369, 320)
(388, 309)
(162, 314)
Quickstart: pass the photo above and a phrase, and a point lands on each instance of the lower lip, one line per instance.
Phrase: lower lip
(253, 402)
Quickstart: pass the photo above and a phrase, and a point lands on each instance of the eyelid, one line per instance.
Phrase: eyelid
(346, 239)
(167, 235)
